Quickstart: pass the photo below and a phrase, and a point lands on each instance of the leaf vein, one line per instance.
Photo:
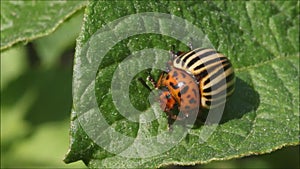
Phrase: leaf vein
(261, 64)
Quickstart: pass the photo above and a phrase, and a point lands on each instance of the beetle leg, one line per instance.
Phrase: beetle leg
(171, 118)
(160, 80)
(151, 80)
(144, 84)
(174, 117)
(170, 121)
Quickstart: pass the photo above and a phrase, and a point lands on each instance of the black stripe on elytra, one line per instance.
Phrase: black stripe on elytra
(218, 85)
(186, 57)
(215, 86)
(206, 54)
(203, 55)
(208, 90)
(199, 67)
(178, 60)
(210, 62)
(218, 59)
(220, 94)
(230, 88)
(206, 81)
(210, 69)
(218, 73)
(230, 77)
(193, 61)
(179, 57)
(207, 96)
(214, 75)
(208, 103)
(202, 74)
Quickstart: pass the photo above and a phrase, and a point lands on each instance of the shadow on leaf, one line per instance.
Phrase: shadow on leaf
(244, 100)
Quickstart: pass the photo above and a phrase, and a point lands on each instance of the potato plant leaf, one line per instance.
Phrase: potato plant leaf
(23, 21)
(262, 41)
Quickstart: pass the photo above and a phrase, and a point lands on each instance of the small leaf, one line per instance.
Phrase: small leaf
(261, 40)
(27, 20)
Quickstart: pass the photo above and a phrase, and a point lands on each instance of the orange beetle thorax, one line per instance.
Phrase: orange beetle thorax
(183, 89)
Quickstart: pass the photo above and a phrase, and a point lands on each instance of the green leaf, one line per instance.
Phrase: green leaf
(23, 21)
(261, 40)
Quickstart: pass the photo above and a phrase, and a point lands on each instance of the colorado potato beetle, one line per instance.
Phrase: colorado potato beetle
(200, 78)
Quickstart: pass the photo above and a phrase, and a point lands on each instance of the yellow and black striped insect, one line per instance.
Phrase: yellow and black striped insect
(200, 78)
